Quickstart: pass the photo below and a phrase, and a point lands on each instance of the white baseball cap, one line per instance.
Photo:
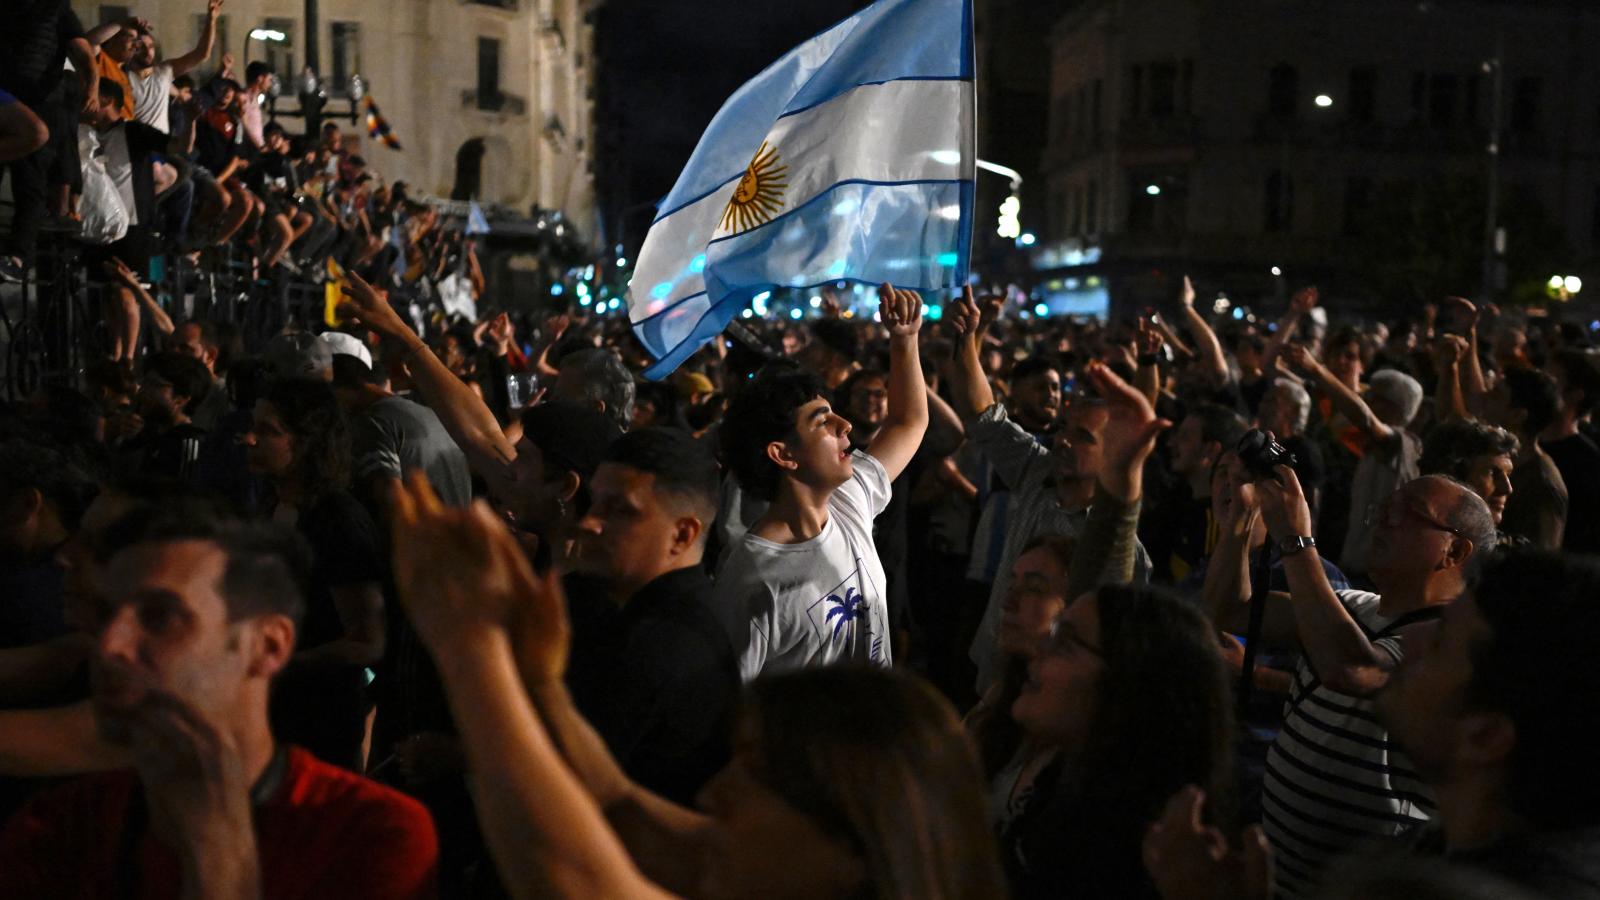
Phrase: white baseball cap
(347, 344)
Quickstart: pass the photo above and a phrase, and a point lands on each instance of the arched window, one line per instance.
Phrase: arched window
(469, 171)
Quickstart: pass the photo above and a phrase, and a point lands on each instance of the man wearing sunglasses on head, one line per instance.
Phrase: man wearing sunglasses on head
(1333, 776)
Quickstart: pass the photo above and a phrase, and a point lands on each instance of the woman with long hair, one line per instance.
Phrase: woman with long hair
(1131, 692)
(1037, 595)
(299, 442)
(845, 782)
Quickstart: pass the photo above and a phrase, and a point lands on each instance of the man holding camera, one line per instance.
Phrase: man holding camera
(1333, 775)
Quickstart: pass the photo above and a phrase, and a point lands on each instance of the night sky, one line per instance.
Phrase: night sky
(665, 68)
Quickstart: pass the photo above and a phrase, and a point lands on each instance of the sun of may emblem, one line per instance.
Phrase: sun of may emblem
(759, 195)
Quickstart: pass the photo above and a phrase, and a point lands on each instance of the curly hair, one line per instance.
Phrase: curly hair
(764, 412)
(1451, 447)
(321, 434)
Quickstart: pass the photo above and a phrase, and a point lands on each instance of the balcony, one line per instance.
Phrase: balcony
(499, 102)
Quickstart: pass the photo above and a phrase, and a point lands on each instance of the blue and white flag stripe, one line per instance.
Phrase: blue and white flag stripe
(850, 159)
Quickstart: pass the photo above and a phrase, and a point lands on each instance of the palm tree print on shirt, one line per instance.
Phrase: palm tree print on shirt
(852, 607)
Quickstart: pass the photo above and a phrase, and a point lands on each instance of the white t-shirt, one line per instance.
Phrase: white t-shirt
(818, 601)
(151, 88)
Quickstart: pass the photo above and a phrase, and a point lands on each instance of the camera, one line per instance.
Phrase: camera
(1262, 455)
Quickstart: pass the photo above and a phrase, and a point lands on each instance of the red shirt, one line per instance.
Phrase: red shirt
(324, 833)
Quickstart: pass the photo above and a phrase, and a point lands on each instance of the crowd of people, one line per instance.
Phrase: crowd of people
(420, 604)
(132, 156)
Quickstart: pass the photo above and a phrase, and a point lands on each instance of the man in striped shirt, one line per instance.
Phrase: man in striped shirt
(1334, 778)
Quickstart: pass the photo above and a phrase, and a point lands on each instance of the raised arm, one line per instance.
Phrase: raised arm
(469, 421)
(124, 276)
(1338, 649)
(1147, 378)
(1300, 305)
(1205, 340)
(202, 51)
(1447, 356)
(105, 31)
(1105, 551)
(1344, 399)
(1473, 386)
(1228, 587)
(907, 419)
(969, 387)
(546, 833)
(666, 841)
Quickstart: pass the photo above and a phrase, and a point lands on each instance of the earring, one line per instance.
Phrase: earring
(561, 506)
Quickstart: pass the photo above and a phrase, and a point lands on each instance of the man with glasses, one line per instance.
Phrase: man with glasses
(1051, 483)
(1334, 777)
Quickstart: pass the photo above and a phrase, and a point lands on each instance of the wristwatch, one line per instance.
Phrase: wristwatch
(1294, 543)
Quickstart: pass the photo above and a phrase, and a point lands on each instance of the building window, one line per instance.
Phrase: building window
(1443, 100)
(1157, 204)
(1163, 89)
(1063, 118)
(1596, 222)
(1357, 206)
(1097, 121)
(488, 73)
(469, 170)
(346, 54)
(1283, 86)
(277, 54)
(1525, 97)
(1363, 94)
(1279, 202)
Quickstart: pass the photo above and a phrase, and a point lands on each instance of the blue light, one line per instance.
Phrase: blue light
(837, 269)
(583, 301)
(935, 312)
(795, 313)
(762, 297)
(1238, 312)
(582, 289)
(699, 264)
(949, 260)
(661, 290)
(557, 290)
(1041, 309)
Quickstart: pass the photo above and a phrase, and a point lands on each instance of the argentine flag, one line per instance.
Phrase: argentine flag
(850, 159)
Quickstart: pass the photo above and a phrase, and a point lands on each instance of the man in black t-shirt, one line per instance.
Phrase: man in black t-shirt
(1178, 529)
(174, 385)
(653, 665)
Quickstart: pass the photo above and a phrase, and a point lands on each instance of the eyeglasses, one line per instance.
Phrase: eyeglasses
(1064, 638)
(1393, 512)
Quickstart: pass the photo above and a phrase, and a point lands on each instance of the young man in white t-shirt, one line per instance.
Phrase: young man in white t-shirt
(151, 81)
(807, 573)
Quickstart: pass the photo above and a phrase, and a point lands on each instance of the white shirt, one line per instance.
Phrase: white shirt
(151, 89)
(821, 600)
